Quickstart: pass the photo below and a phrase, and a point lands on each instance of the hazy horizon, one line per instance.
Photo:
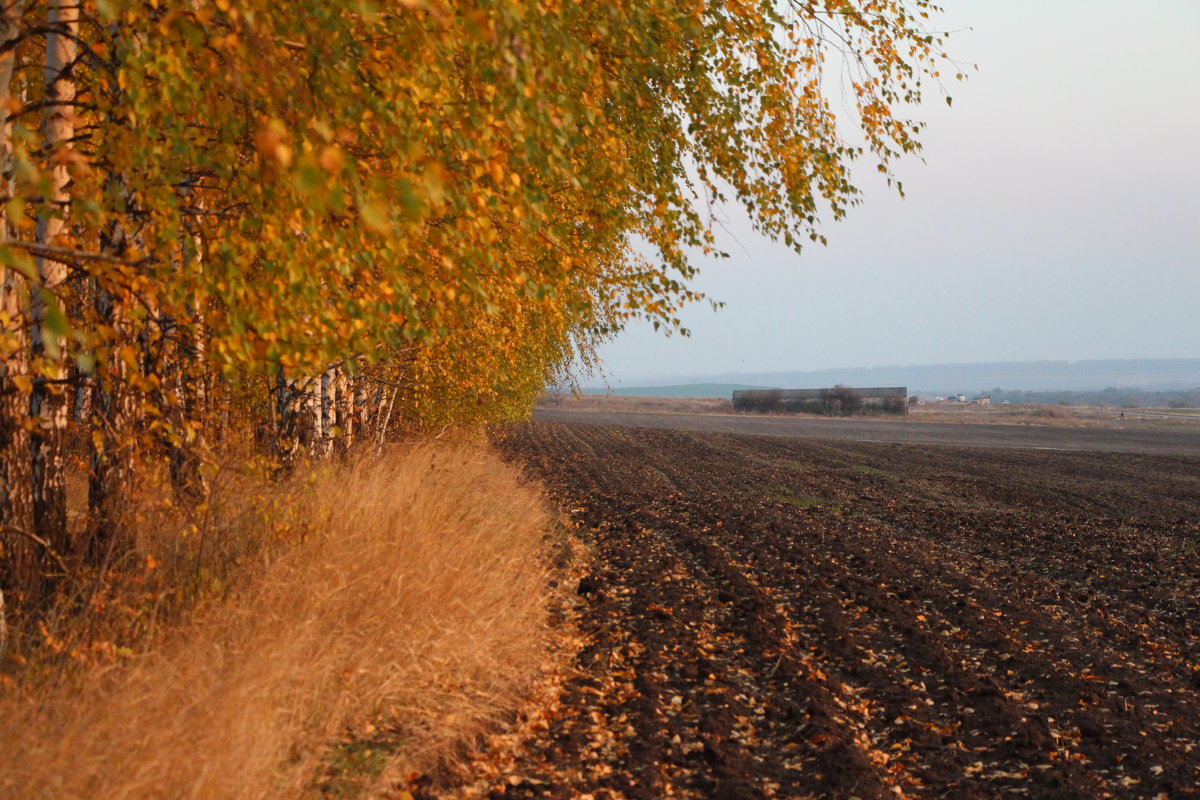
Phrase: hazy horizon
(1055, 218)
(1047, 374)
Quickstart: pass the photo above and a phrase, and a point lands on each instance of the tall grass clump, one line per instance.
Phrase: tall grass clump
(414, 600)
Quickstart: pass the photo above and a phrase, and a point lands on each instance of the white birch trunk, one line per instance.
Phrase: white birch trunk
(47, 407)
(15, 499)
(345, 403)
(316, 421)
(359, 412)
(197, 389)
(58, 129)
(372, 411)
(385, 418)
(10, 31)
(327, 412)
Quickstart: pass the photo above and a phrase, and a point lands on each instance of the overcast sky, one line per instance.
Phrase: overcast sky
(1057, 216)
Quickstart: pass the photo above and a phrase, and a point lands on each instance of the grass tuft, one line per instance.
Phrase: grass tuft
(785, 496)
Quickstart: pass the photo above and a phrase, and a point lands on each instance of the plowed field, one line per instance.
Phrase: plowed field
(776, 617)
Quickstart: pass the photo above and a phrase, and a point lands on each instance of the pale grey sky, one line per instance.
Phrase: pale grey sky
(1057, 215)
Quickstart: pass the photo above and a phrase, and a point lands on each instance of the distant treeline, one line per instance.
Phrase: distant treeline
(1112, 396)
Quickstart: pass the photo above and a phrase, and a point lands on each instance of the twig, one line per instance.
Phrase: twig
(45, 545)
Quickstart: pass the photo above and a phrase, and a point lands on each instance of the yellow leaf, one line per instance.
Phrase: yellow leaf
(374, 216)
(331, 158)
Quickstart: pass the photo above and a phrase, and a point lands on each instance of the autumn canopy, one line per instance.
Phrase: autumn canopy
(301, 223)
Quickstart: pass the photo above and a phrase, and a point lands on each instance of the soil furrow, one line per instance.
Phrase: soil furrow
(794, 618)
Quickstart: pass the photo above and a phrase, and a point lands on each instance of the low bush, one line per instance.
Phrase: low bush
(842, 401)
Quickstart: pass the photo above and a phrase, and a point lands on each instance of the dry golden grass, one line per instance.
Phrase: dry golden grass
(415, 602)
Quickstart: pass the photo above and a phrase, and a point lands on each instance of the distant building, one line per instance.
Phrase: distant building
(834, 400)
(983, 401)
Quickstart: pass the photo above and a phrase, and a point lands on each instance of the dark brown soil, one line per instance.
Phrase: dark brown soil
(776, 617)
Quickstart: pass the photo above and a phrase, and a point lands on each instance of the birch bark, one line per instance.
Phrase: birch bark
(20, 557)
(111, 421)
(345, 407)
(328, 411)
(47, 404)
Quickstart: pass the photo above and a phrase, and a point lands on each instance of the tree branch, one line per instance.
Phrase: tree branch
(33, 537)
(67, 255)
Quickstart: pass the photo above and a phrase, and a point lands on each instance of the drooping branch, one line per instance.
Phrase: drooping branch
(67, 255)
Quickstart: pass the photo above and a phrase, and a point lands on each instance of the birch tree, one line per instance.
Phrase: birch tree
(47, 403)
(19, 553)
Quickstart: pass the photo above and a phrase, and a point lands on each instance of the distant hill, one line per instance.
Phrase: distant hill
(1156, 374)
(722, 390)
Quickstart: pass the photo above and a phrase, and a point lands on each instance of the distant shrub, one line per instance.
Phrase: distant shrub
(761, 402)
(842, 401)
